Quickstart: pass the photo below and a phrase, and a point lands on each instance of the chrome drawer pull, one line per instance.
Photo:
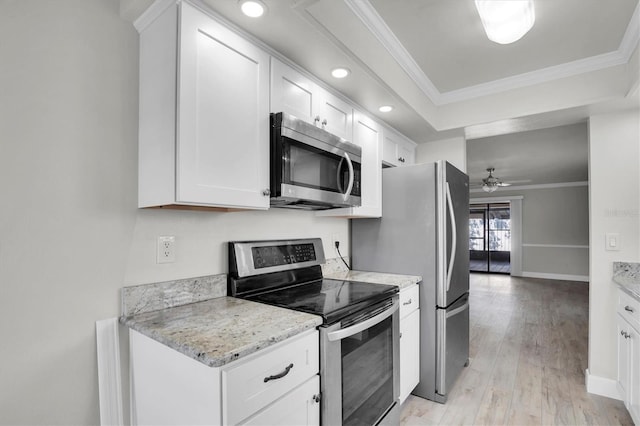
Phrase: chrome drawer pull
(408, 302)
(280, 375)
(628, 308)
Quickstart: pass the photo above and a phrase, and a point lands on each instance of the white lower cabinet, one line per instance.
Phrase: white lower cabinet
(277, 385)
(628, 338)
(300, 407)
(409, 341)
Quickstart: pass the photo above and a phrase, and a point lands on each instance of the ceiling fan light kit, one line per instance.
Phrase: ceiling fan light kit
(506, 21)
(491, 183)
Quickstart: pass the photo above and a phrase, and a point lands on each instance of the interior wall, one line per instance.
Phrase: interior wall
(453, 150)
(70, 233)
(555, 231)
(614, 175)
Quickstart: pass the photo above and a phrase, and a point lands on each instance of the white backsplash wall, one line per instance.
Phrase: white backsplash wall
(71, 235)
(202, 236)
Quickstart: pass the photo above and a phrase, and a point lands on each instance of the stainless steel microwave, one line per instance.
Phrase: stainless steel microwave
(311, 168)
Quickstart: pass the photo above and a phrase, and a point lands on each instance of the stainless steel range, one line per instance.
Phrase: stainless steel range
(359, 337)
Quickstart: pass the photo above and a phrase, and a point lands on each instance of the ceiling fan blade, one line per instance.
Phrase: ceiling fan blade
(503, 184)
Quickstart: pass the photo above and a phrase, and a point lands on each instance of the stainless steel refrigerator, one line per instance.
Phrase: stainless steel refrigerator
(424, 230)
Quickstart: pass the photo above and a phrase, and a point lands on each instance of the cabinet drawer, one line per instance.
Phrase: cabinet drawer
(409, 300)
(297, 408)
(245, 390)
(629, 308)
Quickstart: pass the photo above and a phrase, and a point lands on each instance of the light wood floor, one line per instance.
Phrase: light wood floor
(528, 354)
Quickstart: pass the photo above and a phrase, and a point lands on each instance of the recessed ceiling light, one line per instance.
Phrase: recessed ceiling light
(252, 8)
(385, 108)
(340, 72)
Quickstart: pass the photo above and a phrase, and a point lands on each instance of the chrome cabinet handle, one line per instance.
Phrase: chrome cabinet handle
(628, 308)
(316, 398)
(324, 123)
(401, 159)
(408, 302)
(316, 118)
(279, 375)
(266, 192)
(625, 334)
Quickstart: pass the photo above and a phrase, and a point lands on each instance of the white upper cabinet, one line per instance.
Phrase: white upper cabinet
(397, 150)
(204, 114)
(368, 135)
(293, 93)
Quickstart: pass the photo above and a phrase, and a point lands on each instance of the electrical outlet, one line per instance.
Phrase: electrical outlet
(335, 239)
(166, 250)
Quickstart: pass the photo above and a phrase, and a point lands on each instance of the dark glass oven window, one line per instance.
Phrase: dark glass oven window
(367, 374)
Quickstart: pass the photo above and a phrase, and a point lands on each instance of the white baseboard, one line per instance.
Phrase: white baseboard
(109, 379)
(563, 277)
(601, 386)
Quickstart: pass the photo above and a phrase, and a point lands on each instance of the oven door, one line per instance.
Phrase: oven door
(359, 369)
(310, 170)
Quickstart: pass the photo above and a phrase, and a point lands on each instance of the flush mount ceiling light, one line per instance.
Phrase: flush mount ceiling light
(506, 21)
(252, 8)
(340, 72)
(385, 108)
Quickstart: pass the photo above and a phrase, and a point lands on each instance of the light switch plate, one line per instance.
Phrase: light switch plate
(612, 242)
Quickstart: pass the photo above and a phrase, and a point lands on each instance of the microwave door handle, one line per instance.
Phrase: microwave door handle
(339, 175)
(347, 193)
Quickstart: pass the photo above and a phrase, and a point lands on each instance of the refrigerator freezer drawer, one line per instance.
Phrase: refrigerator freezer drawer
(453, 344)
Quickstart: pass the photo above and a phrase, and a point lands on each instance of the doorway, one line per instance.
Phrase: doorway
(490, 238)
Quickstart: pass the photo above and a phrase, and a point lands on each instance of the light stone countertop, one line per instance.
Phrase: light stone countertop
(402, 281)
(218, 331)
(627, 276)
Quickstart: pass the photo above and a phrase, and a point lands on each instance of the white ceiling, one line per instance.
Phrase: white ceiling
(433, 62)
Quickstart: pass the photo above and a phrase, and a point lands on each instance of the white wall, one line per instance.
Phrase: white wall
(555, 230)
(614, 175)
(70, 233)
(454, 150)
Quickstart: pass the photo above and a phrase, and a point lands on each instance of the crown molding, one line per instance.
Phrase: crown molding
(365, 11)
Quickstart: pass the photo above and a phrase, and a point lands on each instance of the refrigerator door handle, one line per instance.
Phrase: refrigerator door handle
(454, 237)
(456, 311)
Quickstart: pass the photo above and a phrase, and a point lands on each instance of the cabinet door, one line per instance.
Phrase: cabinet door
(624, 377)
(293, 93)
(406, 154)
(634, 374)
(297, 408)
(223, 121)
(368, 135)
(336, 116)
(397, 150)
(409, 354)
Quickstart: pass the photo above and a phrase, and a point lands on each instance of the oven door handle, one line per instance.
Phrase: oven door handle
(361, 326)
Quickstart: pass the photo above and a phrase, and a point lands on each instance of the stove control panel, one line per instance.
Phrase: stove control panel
(267, 256)
(260, 257)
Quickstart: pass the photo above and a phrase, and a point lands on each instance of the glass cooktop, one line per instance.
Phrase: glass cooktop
(331, 299)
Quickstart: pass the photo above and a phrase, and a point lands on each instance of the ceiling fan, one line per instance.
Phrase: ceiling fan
(491, 183)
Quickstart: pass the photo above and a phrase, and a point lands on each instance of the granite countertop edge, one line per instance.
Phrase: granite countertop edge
(211, 332)
(630, 286)
(627, 276)
(399, 280)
